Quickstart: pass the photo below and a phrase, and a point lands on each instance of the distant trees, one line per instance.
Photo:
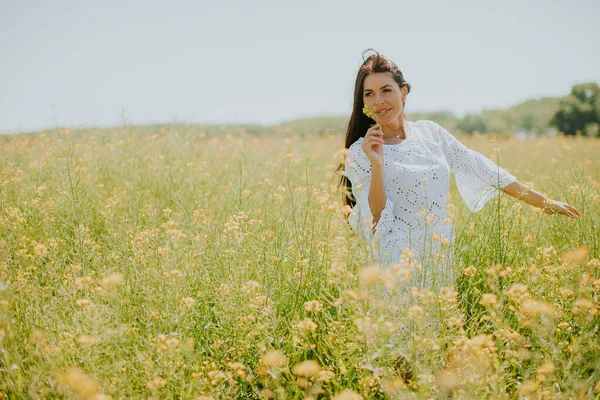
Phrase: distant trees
(532, 115)
(579, 112)
(445, 118)
(472, 123)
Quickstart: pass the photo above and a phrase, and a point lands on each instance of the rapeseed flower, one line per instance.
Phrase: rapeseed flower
(307, 368)
(370, 113)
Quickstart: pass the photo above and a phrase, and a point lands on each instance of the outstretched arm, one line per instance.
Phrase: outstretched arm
(536, 199)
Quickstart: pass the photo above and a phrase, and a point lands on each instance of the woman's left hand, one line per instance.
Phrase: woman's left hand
(560, 207)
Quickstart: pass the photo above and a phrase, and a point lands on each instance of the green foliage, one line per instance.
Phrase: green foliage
(532, 115)
(472, 123)
(580, 111)
(445, 118)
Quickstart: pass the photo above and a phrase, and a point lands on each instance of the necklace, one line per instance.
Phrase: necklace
(397, 136)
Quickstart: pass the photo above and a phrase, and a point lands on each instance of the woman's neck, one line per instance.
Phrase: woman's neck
(394, 128)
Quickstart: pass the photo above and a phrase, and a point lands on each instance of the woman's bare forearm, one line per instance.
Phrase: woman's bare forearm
(377, 197)
(529, 196)
(536, 199)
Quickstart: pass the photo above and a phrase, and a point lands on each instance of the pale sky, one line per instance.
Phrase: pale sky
(98, 63)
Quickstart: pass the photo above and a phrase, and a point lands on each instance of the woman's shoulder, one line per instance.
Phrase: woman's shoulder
(357, 142)
(355, 147)
(426, 124)
(428, 129)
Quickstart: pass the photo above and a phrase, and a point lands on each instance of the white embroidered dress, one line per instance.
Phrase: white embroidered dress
(417, 181)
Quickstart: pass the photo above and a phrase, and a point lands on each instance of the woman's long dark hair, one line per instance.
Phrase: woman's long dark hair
(359, 122)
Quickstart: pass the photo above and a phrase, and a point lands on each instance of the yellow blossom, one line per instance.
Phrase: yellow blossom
(517, 292)
(187, 302)
(566, 293)
(238, 369)
(545, 371)
(306, 325)
(75, 267)
(535, 307)
(87, 340)
(83, 282)
(489, 300)
(40, 250)
(304, 383)
(325, 376)
(370, 275)
(255, 222)
(470, 271)
(224, 289)
(313, 306)
(51, 350)
(454, 321)
(83, 303)
(99, 290)
(393, 387)
(369, 112)
(274, 358)
(112, 279)
(156, 383)
(36, 336)
(576, 256)
(347, 394)
(340, 155)
(529, 239)
(494, 269)
(174, 274)
(415, 312)
(583, 305)
(250, 287)
(264, 394)
(306, 368)
(527, 388)
(79, 382)
(448, 379)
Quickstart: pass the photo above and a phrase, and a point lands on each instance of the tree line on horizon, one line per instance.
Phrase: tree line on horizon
(575, 114)
(578, 113)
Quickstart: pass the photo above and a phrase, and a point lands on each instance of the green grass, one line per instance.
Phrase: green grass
(216, 243)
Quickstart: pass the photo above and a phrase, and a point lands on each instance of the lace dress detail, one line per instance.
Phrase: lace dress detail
(417, 182)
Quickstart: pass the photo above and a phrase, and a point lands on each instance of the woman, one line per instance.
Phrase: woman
(398, 173)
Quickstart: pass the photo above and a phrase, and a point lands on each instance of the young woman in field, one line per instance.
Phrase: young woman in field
(398, 173)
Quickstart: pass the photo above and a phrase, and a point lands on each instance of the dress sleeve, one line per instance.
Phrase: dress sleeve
(357, 169)
(477, 177)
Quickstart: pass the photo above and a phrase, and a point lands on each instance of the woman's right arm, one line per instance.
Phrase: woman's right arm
(366, 177)
(377, 197)
(372, 145)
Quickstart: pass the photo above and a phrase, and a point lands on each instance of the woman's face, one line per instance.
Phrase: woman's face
(382, 94)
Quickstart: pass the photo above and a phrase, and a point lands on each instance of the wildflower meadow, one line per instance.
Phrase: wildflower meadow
(176, 263)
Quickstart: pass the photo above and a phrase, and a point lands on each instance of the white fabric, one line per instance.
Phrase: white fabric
(417, 182)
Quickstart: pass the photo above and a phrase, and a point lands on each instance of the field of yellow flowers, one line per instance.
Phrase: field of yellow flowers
(176, 264)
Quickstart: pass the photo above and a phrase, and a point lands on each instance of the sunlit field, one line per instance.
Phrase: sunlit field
(177, 264)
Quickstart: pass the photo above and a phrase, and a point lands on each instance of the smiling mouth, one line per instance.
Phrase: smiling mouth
(383, 112)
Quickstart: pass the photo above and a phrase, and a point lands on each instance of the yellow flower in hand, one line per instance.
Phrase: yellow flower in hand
(369, 113)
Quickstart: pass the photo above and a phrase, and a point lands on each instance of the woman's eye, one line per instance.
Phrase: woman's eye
(367, 94)
(387, 90)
